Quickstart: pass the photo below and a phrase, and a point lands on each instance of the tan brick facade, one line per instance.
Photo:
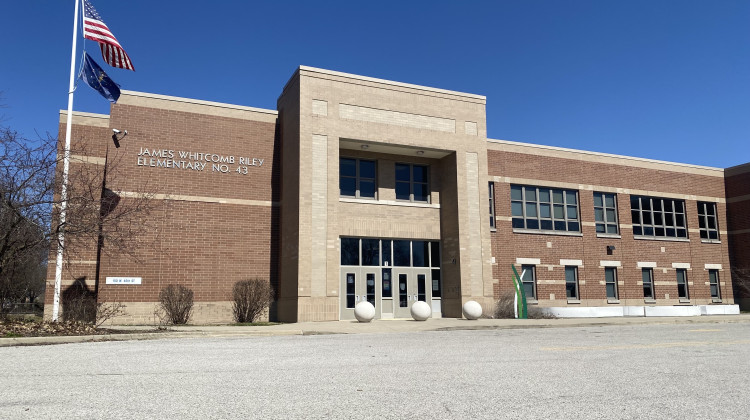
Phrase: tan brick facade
(250, 193)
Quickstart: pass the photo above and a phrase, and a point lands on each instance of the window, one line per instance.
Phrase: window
(350, 290)
(707, 223)
(411, 182)
(349, 251)
(491, 186)
(571, 282)
(713, 281)
(605, 213)
(402, 253)
(682, 285)
(544, 209)
(370, 252)
(357, 178)
(436, 292)
(610, 280)
(387, 289)
(370, 282)
(658, 217)
(390, 252)
(528, 280)
(648, 283)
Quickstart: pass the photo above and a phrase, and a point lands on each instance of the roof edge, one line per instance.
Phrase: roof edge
(611, 155)
(197, 102)
(737, 169)
(391, 82)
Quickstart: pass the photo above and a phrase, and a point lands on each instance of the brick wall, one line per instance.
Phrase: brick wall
(738, 223)
(587, 175)
(207, 228)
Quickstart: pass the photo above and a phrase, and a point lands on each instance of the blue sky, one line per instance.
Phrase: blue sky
(660, 79)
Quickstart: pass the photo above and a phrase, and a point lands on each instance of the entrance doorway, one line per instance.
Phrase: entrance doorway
(391, 274)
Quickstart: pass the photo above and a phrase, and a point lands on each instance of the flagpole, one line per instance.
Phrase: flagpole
(66, 166)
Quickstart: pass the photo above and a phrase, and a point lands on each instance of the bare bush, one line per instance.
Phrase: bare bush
(250, 299)
(108, 310)
(80, 308)
(505, 306)
(176, 301)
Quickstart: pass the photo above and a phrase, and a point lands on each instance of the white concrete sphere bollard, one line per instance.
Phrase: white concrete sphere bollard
(472, 310)
(364, 311)
(420, 311)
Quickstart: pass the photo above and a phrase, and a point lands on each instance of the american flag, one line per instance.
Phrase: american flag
(96, 30)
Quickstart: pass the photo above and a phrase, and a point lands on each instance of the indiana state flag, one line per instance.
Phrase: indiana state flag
(95, 77)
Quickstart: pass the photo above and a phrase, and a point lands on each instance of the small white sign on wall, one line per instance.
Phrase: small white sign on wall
(123, 280)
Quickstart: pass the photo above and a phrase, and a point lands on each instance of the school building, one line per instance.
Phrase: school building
(357, 188)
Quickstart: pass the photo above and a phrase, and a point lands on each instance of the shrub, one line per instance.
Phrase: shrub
(176, 302)
(505, 308)
(81, 308)
(250, 299)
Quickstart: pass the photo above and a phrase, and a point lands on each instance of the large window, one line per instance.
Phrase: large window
(713, 282)
(605, 213)
(491, 186)
(391, 252)
(357, 178)
(610, 281)
(709, 227)
(647, 274)
(571, 282)
(412, 182)
(682, 284)
(544, 209)
(528, 279)
(658, 217)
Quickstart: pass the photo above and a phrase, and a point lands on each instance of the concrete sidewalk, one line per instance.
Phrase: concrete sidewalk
(146, 332)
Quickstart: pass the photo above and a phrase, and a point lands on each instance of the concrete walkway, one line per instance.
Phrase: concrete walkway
(145, 332)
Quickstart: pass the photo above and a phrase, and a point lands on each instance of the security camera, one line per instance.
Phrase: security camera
(116, 131)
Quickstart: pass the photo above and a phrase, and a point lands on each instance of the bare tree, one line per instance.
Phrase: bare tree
(97, 217)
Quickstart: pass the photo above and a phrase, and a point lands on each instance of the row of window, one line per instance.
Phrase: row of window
(528, 279)
(557, 210)
(358, 179)
(389, 252)
(541, 208)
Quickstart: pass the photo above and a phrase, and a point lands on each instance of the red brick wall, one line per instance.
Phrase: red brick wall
(195, 241)
(507, 245)
(738, 223)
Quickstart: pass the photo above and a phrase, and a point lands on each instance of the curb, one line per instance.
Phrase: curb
(325, 328)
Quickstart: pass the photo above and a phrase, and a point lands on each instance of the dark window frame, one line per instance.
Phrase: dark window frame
(411, 182)
(605, 223)
(683, 283)
(647, 277)
(524, 281)
(531, 199)
(714, 284)
(491, 192)
(705, 217)
(658, 218)
(358, 178)
(576, 290)
(615, 289)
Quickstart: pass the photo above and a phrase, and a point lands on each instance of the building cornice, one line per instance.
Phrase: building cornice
(174, 103)
(608, 158)
(313, 71)
(85, 118)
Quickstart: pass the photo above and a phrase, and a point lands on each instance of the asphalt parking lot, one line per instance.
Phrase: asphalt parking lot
(597, 371)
